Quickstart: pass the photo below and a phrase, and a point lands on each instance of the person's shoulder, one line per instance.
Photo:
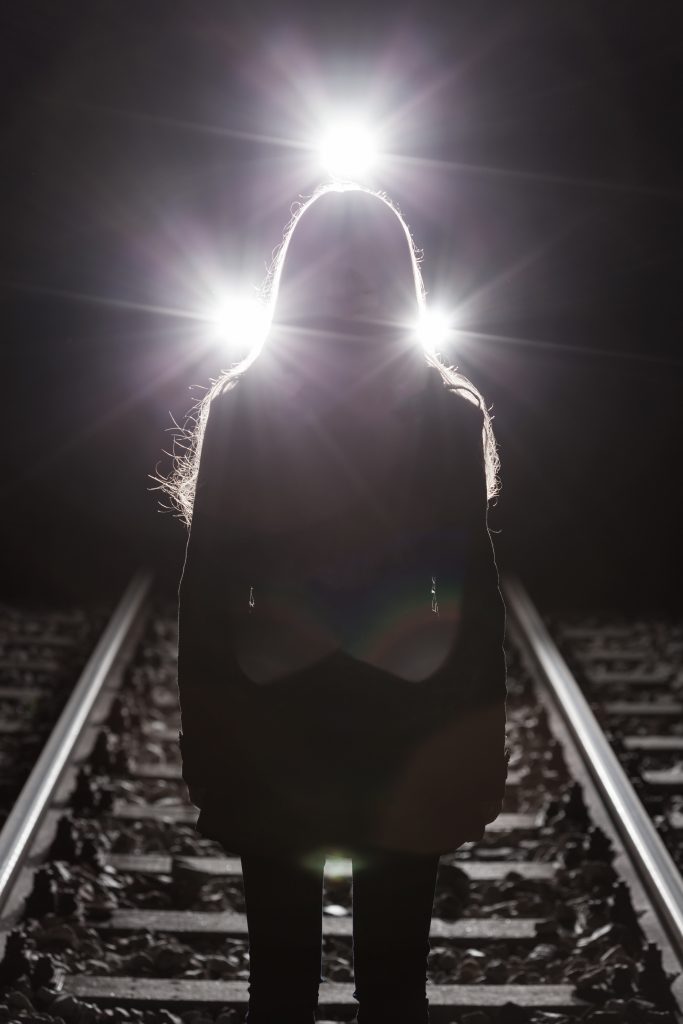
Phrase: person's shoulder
(457, 404)
(226, 399)
(249, 402)
(222, 420)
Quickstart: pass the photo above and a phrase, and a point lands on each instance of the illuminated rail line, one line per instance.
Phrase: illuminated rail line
(570, 816)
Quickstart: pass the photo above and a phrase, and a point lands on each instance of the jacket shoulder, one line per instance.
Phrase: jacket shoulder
(461, 418)
(459, 404)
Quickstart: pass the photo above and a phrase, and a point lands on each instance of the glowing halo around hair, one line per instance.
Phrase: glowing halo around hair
(348, 149)
(259, 315)
(271, 286)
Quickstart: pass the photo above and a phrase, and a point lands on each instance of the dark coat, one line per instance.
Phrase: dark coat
(340, 755)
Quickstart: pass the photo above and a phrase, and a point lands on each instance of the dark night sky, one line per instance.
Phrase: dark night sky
(536, 163)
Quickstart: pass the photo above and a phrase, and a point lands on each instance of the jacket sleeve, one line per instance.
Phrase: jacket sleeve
(453, 783)
(483, 607)
(485, 748)
(204, 647)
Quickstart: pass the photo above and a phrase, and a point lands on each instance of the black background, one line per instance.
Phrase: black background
(538, 169)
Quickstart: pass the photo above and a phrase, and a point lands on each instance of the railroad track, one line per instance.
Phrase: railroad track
(630, 669)
(42, 652)
(113, 908)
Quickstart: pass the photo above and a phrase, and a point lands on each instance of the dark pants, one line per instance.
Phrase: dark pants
(393, 895)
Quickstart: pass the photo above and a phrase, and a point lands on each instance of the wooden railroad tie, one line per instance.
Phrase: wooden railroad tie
(228, 922)
(632, 654)
(181, 814)
(177, 994)
(171, 772)
(28, 692)
(666, 778)
(220, 867)
(663, 744)
(597, 633)
(642, 708)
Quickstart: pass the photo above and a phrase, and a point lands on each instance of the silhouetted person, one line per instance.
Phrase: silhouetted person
(341, 669)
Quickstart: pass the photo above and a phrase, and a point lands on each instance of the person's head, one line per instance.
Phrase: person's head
(347, 257)
(344, 293)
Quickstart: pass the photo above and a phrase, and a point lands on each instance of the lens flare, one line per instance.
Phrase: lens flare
(338, 866)
(433, 329)
(239, 322)
(348, 149)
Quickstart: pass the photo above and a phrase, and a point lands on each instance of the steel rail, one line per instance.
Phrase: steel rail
(31, 804)
(654, 865)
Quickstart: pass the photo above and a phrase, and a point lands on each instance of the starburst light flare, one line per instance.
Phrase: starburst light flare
(348, 149)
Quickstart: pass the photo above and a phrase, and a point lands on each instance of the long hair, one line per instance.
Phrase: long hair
(180, 484)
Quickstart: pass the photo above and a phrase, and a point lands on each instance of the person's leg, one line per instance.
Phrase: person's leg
(393, 896)
(284, 917)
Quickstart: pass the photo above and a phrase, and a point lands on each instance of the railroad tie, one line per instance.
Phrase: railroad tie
(229, 922)
(178, 995)
(643, 708)
(183, 813)
(172, 772)
(663, 744)
(221, 867)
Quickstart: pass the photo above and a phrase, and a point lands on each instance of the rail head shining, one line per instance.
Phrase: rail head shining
(656, 869)
(30, 807)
